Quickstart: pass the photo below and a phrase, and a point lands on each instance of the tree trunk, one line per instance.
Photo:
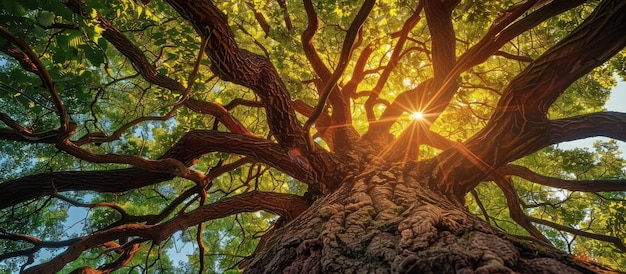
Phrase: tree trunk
(390, 219)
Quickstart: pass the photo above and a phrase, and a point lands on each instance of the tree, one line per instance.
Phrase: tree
(286, 136)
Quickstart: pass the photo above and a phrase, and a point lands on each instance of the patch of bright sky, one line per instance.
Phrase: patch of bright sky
(617, 102)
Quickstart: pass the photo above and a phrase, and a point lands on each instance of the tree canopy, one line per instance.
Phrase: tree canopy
(179, 135)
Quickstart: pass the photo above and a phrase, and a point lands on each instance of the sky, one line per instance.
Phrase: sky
(617, 102)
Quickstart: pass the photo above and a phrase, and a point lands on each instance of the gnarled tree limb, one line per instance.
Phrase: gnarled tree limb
(571, 185)
(193, 145)
(519, 125)
(285, 205)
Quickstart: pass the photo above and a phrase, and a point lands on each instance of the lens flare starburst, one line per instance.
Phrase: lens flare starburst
(417, 115)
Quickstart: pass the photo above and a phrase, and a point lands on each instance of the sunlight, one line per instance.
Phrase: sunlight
(417, 115)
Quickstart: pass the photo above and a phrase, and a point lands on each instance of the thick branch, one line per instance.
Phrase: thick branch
(45, 77)
(572, 185)
(341, 117)
(307, 43)
(498, 35)
(19, 132)
(220, 113)
(256, 72)
(285, 205)
(20, 56)
(45, 137)
(520, 126)
(605, 238)
(439, 19)
(193, 145)
(199, 142)
(394, 59)
(346, 53)
(515, 210)
(242, 67)
(608, 124)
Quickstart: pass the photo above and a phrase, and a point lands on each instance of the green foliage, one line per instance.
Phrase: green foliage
(103, 92)
(601, 213)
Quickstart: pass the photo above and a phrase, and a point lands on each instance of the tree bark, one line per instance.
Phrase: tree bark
(388, 219)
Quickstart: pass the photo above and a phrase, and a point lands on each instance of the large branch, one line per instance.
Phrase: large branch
(605, 238)
(330, 85)
(394, 59)
(341, 114)
(572, 185)
(501, 32)
(34, 186)
(439, 19)
(257, 73)
(20, 56)
(199, 142)
(242, 67)
(515, 211)
(18, 132)
(519, 125)
(285, 205)
(46, 79)
(525, 221)
(193, 145)
(432, 100)
(608, 124)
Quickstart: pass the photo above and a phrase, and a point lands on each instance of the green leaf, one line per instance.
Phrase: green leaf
(45, 18)
(94, 56)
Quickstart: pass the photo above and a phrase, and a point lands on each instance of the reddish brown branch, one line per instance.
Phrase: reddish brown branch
(220, 113)
(162, 165)
(307, 43)
(394, 59)
(40, 137)
(42, 72)
(193, 145)
(515, 210)
(322, 125)
(242, 102)
(358, 74)
(519, 125)
(20, 133)
(37, 244)
(20, 56)
(608, 124)
(259, 18)
(439, 19)
(286, 17)
(329, 91)
(346, 53)
(244, 68)
(605, 238)
(286, 205)
(572, 185)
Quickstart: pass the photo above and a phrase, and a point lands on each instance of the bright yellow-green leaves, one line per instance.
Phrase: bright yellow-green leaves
(103, 92)
(600, 213)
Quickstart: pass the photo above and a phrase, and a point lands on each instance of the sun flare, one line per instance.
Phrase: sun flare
(418, 115)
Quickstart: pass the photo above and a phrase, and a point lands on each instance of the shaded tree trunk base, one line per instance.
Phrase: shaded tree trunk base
(388, 220)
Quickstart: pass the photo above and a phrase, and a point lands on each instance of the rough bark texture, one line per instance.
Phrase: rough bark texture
(387, 219)
(376, 209)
